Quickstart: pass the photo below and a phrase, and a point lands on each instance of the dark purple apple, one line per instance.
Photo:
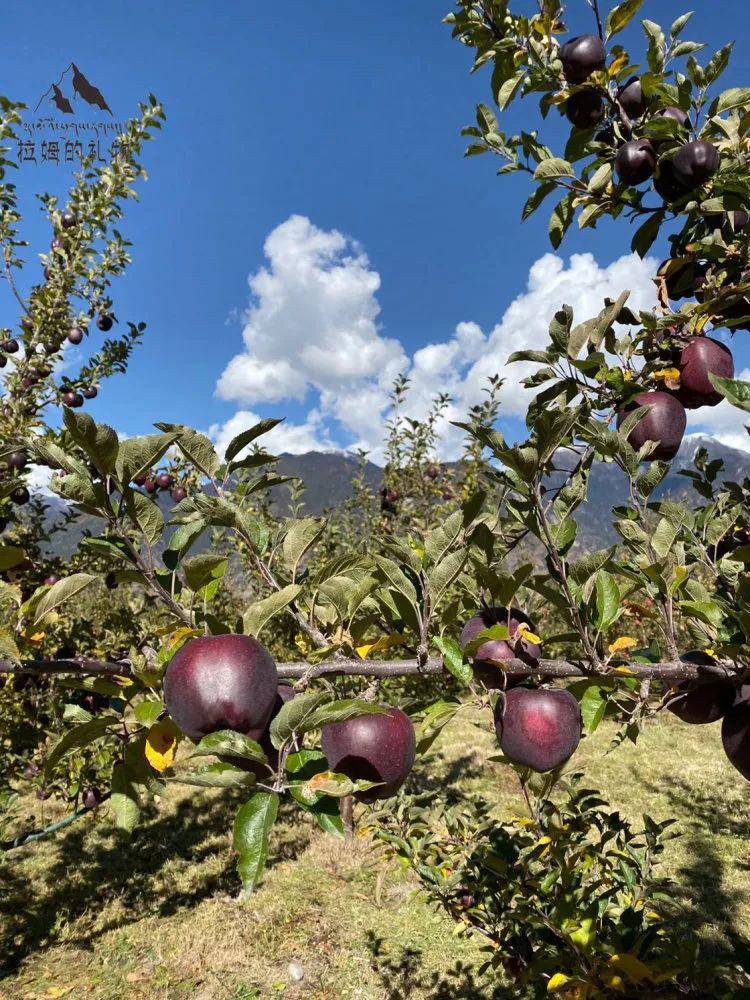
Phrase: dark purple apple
(499, 649)
(631, 98)
(149, 485)
(104, 322)
(538, 728)
(10, 346)
(68, 220)
(730, 222)
(664, 423)
(676, 114)
(635, 161)
(50, 581)
(701, 357)
(178, 494)
(90, 392)
(72, 399)
(735, 735)
(666, 184)
(581, 56)
(284, 693)
(91, 798)
(20, 496)
(18, 460)
(75, 335)
(742, 694)
(585, 109)
(695, 163)
(164, 481)
(221, 682)
(372, 748)
(702, 701)
(60, 243)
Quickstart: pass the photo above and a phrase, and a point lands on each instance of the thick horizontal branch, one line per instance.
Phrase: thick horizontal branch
(670, 671)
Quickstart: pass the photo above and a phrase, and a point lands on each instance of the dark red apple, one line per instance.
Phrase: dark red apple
(149, 485)
(284, 693)
(635, 161)
(585, 109)
(676, 114)
(72, 399)
(500, 649)
(221, 682)
(164, 481)
(664, 423)
(695, 163)
(666, 184)
(372, 748)
(701, 357)
(91, 798)
(581, 56)
(18, 460)
(90, 392)
(735, 735)
(742, 694)
(104, 322)
(730, 222)
(631, 98)
(703, 701)
(68, 220)
(10, 346)
(538, 728)
(178, 494)
(75, 335)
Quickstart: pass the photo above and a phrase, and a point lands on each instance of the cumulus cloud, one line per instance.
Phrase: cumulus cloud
(294, 439)
(312, 335)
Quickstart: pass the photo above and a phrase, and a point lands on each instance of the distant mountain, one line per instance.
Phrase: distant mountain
(328, 482)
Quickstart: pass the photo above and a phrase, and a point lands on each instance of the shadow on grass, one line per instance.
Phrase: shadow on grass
(449, 777)
(91, 869)
(402, 976)
(710, 887)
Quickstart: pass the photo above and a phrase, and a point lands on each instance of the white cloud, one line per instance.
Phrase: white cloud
(312, 333)
(295, 439)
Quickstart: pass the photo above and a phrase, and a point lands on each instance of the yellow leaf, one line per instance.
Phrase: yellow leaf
(622, 670)
(559, 979)
(161, 744)
(385, 642)
(616, 65)
(525, 633)
(633, 968)
(628, 375)
(37, 637)
(624, 642)
(667, 375)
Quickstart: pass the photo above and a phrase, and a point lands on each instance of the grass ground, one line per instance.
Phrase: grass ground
(92, 914)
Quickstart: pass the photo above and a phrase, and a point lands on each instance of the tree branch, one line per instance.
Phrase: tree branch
(668, 671)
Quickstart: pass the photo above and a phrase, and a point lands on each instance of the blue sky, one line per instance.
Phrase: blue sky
(306, 121)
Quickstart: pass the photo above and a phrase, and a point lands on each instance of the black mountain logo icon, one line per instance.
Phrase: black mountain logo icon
(80, 86)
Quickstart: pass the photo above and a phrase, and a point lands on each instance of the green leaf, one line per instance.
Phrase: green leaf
(293, 714)
(252, 827)
(553, 167)
(436, 717)
(8, 648)
(261, 612)
(124, 798)
(561, 219)
(98, 440)
(735, 97)
(300, 537)
(202, 569)
(593, 707)
(10, 556)
(56, 457)
(645, 235)
(137, 455)
(445, 573)
(607, 599)
(509, 89)
(680, 23)
(620, 16)
(218, 775)
(453, 659)
(196, 448)
(329, 783)
(145, 513)
(226, 741)
(77, 738)
(148, 712)
(243, 439)
(338, 711)
(60, 592)
(737, 392)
